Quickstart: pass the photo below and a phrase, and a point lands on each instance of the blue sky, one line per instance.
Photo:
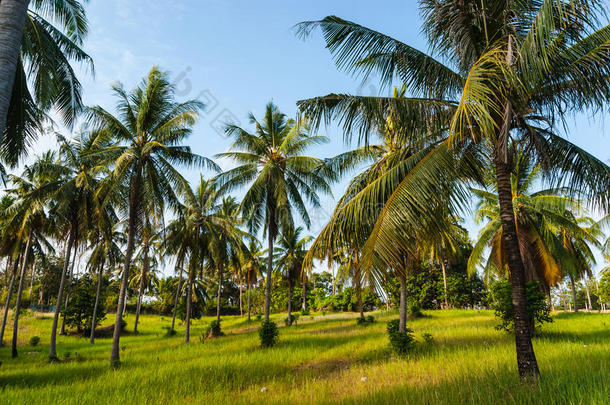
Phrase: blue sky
(238, 55)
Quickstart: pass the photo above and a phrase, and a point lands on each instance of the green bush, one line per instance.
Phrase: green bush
(361, 320)
(268, 334)
(293, 317)
(305, 312)
(34, 340)
(428, 338)
(501, 298)
(214, 329)
(415, 311)
(401, 342)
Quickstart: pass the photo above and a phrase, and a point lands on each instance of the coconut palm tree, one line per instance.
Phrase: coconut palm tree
(150, 126)
(38, 42)
(150, 240)
(252, 264)
(291, 251)
(278, 176)
(514, 69)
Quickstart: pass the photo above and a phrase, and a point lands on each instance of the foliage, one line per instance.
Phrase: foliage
(292, 320)
(428, 338)
(502, 303)
(34, 340)
(268, 334)
(213, 330)
(79, 312)
(401, 343)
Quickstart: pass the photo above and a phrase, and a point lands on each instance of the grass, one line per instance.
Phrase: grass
(321, 360)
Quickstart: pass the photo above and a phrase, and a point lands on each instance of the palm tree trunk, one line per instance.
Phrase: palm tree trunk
(189, 298)
(573, 286)
(26, 258)
(402, 325)
(176, 299)
(8, 299)
(97, 300)
(358, 283)
(12, 21)
(268, 282)
(249, 307)
(304, 294)
(526, 359)
(588, 295)
(62, 330)
(219, 292)
(67, 254)
(290, 303)
(445, 283)
(32, 281)
(143, 276)
(241, 308)
(115, 357)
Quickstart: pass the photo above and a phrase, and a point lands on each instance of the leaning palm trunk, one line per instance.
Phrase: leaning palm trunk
(8, 300)
(26, 257)
(526, 359)
(97, 300)
(219, 293)
(115, 357)
(445, 283)
(359, 295)
(176, 300)
(12, 21)
(573, 286)
(402, 326)
(52, 345)
(189, 298)
(241, 307)
(62, 329)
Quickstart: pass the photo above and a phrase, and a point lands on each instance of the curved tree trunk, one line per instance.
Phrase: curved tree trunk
(26, 258)
(241, 307)
(177, 299)
(402, 325)
(9, 294)
(290, 303)
(115, 358)
(220, 271)
(269, 273)
(573, 286)
(526, 359)
(97, 300)
(445, 283)
(67, 254)
(189, 298)
(12, 21)
(62, 329)
(249, 307)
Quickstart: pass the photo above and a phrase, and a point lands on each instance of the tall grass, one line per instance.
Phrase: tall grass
(322, 360)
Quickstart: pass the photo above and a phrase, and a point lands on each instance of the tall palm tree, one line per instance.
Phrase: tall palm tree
(514, 69)
(150, 240)
(38, 42)
(150, 126)
(253, 258)
(291, 252)
(278, 176)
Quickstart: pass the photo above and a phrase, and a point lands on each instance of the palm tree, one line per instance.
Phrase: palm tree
(279, 177)
(149, 240)
(252, 264)
(150, 126)
(291, 251)
(38, 44)
(553, 242)
(515, 70)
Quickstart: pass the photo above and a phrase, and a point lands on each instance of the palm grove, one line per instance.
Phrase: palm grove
(481, 117)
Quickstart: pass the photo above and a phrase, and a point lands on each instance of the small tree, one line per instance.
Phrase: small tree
(79, 312)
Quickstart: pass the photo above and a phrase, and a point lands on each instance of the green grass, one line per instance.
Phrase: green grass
(321, 360)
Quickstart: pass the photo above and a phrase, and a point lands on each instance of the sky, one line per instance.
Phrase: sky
(236, 56)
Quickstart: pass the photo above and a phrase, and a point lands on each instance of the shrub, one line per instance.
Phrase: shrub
(361, 320)
(415, 311)
(401, 342)
(169, 331)
(214, 329)
(428, 338)
(268, 334)
(259, 317)
(370, 319)
(34, 340)
(501, 298)
(305, 312)
(293, 318)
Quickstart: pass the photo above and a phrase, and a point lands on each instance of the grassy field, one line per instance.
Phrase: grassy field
(322, 360)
